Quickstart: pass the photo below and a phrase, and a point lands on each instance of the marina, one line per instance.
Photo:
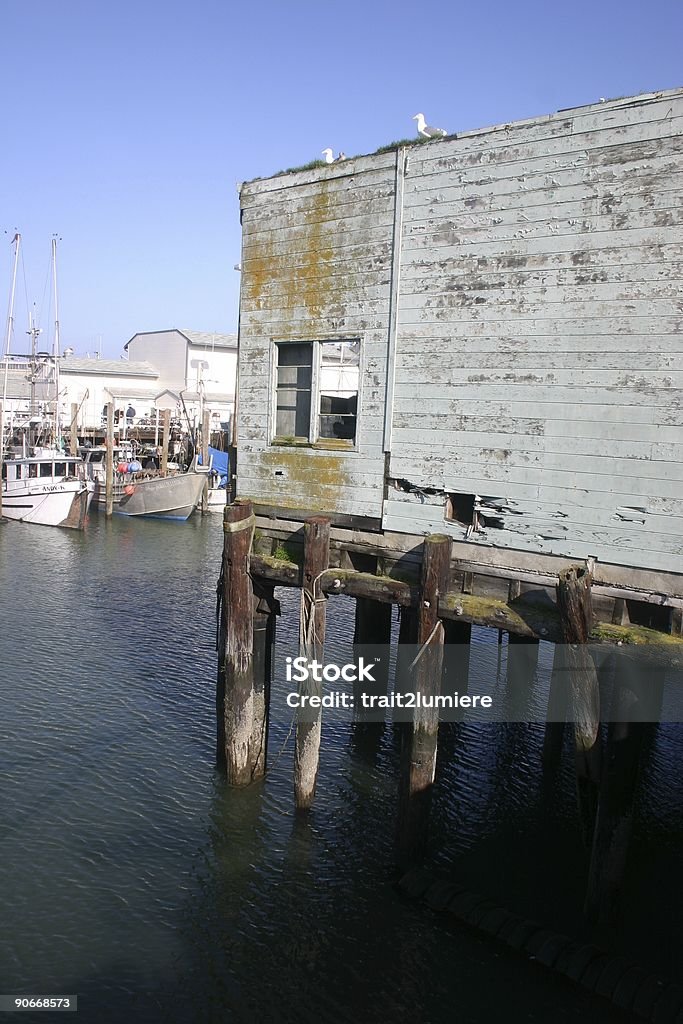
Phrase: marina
(413, 700)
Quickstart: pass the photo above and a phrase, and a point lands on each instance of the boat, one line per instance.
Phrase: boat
(40, 483)
(45, 487)
(141, 488)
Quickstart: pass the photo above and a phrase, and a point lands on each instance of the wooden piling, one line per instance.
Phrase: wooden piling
(308, 728)
(418, 754)
(265, 610)
(165, 440)
(109, 464)
(236, 653)
(73, 429)
(576, 614)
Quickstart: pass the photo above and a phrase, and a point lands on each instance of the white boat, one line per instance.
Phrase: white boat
(47, 488)
(40, 485)
(145, 492)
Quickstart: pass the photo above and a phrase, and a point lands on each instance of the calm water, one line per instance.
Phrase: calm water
(133, 877)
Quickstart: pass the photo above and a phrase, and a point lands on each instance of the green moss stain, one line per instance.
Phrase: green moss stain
(289, 270)
(312, 481)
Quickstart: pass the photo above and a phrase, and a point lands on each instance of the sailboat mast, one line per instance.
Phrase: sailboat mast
(58, 426)
(16, 241)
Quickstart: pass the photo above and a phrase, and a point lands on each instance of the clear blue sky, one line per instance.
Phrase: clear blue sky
(125, 125)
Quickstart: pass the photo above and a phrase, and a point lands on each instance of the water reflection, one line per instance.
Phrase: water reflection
(134, 877)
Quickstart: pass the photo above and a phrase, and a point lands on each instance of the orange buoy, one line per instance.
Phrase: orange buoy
(129, 489)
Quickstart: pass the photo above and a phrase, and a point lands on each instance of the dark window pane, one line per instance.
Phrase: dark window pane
(295, 355)
(46, 469)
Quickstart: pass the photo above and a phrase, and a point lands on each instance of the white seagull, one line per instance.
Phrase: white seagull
(426, 131)
(329, 156)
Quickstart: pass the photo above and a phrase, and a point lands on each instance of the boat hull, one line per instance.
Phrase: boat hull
(158, 497)
(64, 504)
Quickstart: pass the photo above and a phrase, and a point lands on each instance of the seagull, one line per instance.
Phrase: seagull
(425, 130)
(329, 156)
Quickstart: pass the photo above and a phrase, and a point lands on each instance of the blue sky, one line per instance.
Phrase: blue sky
(126, 126)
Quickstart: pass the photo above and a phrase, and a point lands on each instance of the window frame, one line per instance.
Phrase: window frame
(313, 440)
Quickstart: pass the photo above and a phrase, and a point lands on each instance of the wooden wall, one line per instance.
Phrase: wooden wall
(540, 334)
(316, 264)
(538, 309)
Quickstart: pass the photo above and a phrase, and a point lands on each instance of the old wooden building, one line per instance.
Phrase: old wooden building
(479, 336)
(459, 392)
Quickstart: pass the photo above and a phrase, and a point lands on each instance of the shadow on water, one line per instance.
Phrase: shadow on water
(133, 876)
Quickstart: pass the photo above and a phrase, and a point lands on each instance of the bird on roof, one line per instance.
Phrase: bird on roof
(330, 158)
(425, 131)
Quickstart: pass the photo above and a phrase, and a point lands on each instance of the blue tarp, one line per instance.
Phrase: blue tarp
(219, 463)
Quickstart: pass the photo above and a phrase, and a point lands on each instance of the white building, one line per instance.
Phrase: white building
(176, 370)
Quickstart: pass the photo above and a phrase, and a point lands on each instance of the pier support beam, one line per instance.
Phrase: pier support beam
(576, 613)
(418, 755)
(266, 608)
(236, 653)
(308, 728)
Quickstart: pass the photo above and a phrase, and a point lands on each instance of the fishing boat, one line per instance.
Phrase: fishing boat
(45, 487)
(40, 484)
(141, 488)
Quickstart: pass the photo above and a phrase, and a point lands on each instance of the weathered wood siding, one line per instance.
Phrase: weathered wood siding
(316, 264)
(540, 334)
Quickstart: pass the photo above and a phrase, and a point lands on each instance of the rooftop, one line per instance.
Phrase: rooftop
(106, 367)
(199, 339)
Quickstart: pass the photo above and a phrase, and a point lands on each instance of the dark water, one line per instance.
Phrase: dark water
(133, 877)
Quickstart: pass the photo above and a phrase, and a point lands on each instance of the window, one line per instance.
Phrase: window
(317, 391)
(46, 469)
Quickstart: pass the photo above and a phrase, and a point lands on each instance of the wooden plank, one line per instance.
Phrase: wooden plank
(486, 433)
(552, 196)
(369, 169)
(578, 242)
(457, 395)
(608, 148)
(422, 428)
